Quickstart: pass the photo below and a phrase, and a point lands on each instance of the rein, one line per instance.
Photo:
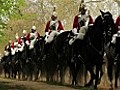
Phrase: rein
(99, 52)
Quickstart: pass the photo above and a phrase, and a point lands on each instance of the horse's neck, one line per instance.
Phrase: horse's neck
(95, 35)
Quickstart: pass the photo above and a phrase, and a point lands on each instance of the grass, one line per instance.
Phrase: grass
(5, 86)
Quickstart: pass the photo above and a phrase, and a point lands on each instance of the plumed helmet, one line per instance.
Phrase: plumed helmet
(10, 41)
(34, 27)
(16, 36)
(24, 32)
(54, 14)
(82, 8)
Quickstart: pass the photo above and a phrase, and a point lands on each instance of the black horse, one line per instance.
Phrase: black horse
(34, 58)
(113, 62)
(21, 65)
(39, 50)
(6, 65)
(90, 51)
(57, 55)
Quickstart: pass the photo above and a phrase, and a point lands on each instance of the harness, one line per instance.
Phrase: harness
(99, 52)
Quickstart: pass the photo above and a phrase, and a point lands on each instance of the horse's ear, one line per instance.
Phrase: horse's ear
(102, 12)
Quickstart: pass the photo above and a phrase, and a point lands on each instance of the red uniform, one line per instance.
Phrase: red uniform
(12, 45)
(118, 22)
(58, 27)
(76, 22)
(19, 41)
(29, 35)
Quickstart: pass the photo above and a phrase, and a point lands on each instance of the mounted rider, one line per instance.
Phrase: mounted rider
(7, 49)
(16, 44)
(32, 37)
(81, 23)
(83, 18)
(53, 27)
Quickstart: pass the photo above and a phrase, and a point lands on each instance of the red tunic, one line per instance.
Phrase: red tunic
(28, 36)
(118, 22)
(12, 45)
(60, 26)
(77, 25)
(19, 41)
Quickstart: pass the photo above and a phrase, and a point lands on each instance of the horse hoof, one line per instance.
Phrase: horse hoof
(116, 86)
(87, 85)
(95, 87)
(99, 81)
(111, 86)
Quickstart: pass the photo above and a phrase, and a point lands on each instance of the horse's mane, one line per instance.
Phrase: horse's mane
(98, 21)
(61, 39)
(94, 34)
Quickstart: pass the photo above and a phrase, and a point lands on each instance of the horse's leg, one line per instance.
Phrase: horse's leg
(37, 73)
(15, 72)
(78, 67)
(47, 77)
(85, 75)
(73, 70)
(92, 74)
(110, 71)
(101, 74)
(19, 73)
(23, 73)
(5, 70)
(8, 70)
(116, 75)
(98, 67)
(62, 73)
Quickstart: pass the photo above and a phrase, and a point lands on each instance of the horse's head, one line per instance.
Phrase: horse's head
(108, 25)
(107, 18)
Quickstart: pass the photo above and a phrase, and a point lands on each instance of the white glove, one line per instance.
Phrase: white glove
(74, 31)
(27, 42)
(114, 39)
(61, 31)
(47, 33)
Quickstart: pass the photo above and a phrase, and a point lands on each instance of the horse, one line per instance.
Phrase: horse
(90, 50)
(6, 65)
(39, 50)
(113, 62)
(22, 59)
(56, 55)
(34, 58)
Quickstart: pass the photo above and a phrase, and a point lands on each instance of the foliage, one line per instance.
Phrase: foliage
(7, 9)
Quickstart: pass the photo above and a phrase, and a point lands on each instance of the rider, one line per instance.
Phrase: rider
(81, 23)
(53, 25)
(83, 18)
(7, 49)
(32, 37)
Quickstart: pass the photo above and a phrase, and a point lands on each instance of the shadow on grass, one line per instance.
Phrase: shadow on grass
(5, 86)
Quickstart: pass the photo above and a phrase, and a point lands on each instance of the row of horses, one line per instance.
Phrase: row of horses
(59, 54)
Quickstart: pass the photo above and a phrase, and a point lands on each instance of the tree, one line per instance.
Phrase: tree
(8, 8)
